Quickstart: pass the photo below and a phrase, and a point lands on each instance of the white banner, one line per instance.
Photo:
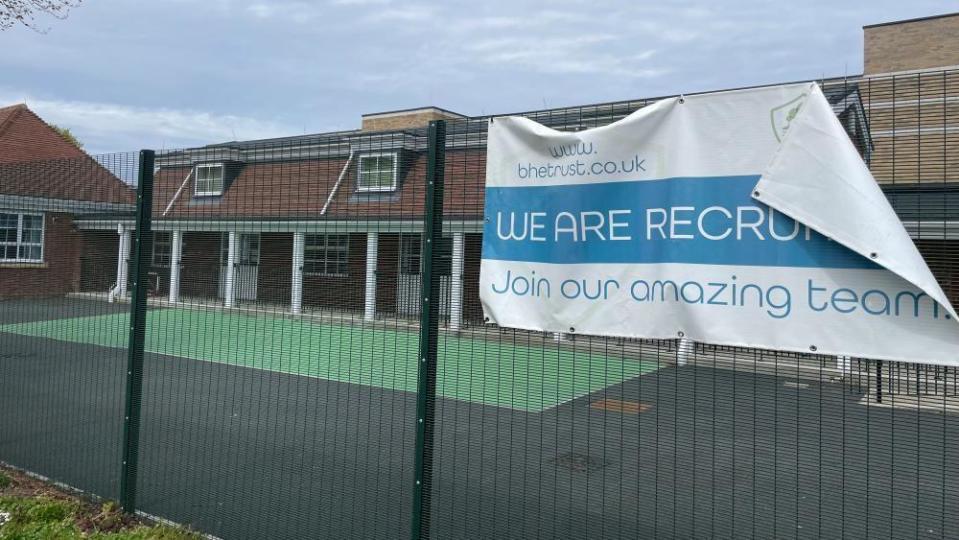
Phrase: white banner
(739, 218)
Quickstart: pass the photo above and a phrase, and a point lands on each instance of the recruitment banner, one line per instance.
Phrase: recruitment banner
(738, 218)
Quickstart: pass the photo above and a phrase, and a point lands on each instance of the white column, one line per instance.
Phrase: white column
(684, 351)
(456, 283)
(296, 288)
(230, 285)
(372, 251)
(844, 364)
(176, 254)
(123, 260)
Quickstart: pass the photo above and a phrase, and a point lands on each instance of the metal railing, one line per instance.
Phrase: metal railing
(280, 383)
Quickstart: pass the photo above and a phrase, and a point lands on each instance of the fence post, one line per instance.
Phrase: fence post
(878, 381)
(429, 327)
(142, 248)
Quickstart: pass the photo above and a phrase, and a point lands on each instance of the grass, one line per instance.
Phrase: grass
(33, 510)
(47, 518)
(514, 375)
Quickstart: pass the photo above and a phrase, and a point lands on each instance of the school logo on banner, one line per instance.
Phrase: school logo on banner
(783, 115)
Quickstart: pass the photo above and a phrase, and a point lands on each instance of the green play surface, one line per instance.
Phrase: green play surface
(495, 373)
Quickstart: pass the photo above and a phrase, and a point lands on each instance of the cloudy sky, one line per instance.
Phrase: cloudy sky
(167, 73)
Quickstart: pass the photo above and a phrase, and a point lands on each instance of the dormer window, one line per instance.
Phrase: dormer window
(209, 180)
(378, 172)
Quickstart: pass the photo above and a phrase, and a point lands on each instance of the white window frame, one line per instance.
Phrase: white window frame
(323, 259)
(167, 253)
(411, 248)
(196, 179)
(374, 189)
(18, 243)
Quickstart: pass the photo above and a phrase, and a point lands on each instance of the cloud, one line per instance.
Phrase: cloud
(405, 13)
(298, 12)
(215, 70)
(360, 2)
(106, 127)
(583, 54)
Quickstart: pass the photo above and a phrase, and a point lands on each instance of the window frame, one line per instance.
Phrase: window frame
(360, 187)
(323, 259)
(196, 179)
(168, 254)
(19, 243)
(411, 248)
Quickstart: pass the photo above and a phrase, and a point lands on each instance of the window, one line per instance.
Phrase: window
(410, 249)
(411, 256)
(162, 249)
(444, 256)
(326, 254)
(209, 180)
(21, 237)
(248, 249)
(377, 172)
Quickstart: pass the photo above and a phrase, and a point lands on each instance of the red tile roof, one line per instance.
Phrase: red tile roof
(24, 136)
(7, 113)
(36, 161)
(299, 190)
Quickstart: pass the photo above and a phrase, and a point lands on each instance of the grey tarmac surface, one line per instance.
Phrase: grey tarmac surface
(717, 453)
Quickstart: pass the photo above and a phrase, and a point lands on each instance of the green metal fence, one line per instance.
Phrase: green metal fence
(283, 339)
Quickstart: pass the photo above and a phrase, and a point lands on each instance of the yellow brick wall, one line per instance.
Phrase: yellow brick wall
(413, 119)
(906, 46)
(914, 124)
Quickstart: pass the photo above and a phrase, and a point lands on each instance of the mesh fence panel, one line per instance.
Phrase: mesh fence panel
(61, 394)
(285, 371)
(576, 436)
(278, 388)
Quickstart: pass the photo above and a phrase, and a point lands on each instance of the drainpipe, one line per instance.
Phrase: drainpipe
(336, 186)
(123, 260)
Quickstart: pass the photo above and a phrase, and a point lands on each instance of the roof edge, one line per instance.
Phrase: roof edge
(18, 109)
(427, 109)
(917, 19)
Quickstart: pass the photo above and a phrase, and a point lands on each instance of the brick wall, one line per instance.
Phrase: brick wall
(98, 263)
(909, 45)
(200, 274)
(912, 122)
(404, 120)
(472, 253)
(940, 255)
(336, 292)
(58, 274)
(274, 276)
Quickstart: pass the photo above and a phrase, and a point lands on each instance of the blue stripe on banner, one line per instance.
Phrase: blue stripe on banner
(711, 220)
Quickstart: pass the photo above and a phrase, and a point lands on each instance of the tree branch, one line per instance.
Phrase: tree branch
(13, 12)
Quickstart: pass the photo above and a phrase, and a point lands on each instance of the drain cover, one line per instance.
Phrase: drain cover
(16, 356)
(578, 462)
(620, 406)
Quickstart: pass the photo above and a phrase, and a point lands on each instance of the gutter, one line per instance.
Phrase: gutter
(336, 186)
